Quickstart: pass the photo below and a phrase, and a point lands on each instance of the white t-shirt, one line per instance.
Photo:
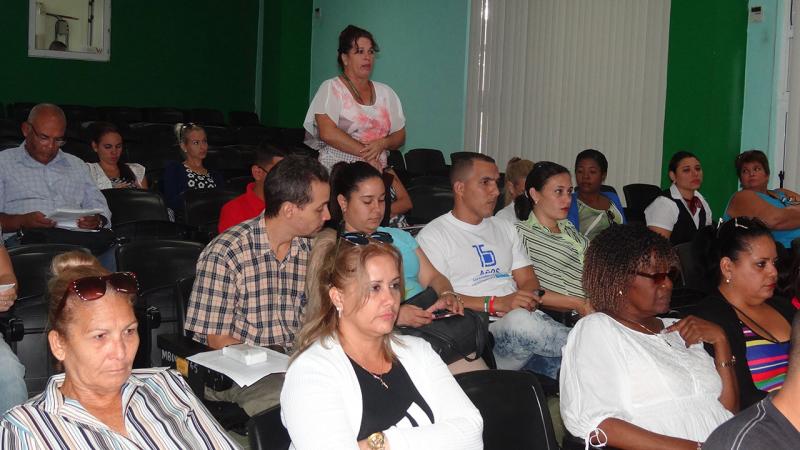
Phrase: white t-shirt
(477, 259)
(508, 214)
(663, 212)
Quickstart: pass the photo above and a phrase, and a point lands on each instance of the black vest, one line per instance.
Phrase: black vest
(684, 228)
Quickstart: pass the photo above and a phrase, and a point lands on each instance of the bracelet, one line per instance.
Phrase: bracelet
(729, 363)
(458, 297)
(492, 312)
(486, 304)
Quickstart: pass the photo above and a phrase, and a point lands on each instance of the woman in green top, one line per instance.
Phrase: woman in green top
(555, 247)
(593, 209)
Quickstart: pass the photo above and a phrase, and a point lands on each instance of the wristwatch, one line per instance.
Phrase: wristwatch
(729, 363)
(376, 441)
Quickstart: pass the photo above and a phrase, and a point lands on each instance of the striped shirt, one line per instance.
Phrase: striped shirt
(768, 361)
(557, 257)
(159, 408)
(242, 290)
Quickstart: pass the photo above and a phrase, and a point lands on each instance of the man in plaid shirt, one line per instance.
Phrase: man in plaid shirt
(250, 280)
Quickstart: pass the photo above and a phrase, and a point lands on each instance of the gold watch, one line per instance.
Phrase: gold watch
(376, 441)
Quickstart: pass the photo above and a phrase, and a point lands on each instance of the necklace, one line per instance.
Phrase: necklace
(770, 337)
(649, 331)
(355, 92)
(379, 378)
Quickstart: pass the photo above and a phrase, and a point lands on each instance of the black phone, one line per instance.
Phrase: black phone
(442, 313)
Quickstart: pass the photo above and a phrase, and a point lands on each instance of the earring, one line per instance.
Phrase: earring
(620, 292)
(339, 311)
(728, 280)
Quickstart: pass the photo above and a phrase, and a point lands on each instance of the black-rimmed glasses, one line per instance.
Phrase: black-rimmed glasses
(44, 139)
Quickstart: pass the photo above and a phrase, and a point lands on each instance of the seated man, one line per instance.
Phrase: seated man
(37, 178)
(251, 203)
(251, 278)
(774, 422)
(12, 373)
(483, 258)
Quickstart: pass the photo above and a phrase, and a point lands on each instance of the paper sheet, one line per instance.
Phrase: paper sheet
(242, 374)
(68, 218)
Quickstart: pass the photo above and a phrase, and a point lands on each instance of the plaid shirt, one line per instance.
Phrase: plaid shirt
(244, 291)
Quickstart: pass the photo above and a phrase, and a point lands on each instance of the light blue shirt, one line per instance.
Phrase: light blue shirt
(407, 246)
(27, 185)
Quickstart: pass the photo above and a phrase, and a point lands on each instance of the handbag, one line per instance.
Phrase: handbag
(97, 242)
(453, 338)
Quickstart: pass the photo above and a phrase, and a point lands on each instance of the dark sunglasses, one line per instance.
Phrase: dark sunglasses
(659, 277)
(92, 288)
(357, 238)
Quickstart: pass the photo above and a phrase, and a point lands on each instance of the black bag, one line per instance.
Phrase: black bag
(98, 242)
(455, 337)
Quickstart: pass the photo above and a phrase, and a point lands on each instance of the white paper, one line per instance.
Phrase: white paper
(68, 218)
(5, 287)
(242, 374)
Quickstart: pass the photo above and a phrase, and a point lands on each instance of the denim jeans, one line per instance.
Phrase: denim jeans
(532, 340)
(12, 382)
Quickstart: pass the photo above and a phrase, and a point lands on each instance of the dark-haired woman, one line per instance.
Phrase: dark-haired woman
(757, 324)
(592, 209)
(110, 172)
(554, 246)
(630, 379)
(351, 117)
(779, 209)
(680, 211)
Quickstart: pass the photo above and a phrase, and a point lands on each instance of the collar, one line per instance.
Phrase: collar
(533, 222)
(676, 194)
(54, 402)
(251, 198)
(27, 160)
(298, 244)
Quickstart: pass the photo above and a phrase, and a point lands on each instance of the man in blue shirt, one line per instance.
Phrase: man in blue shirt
(37, 178)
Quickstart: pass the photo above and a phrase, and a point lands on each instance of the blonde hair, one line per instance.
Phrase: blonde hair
(182, 129)
(517, 169)
(339, 269)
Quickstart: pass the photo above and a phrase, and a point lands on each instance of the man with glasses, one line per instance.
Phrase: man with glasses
(37, 178)
(251, 203)
(250, 281)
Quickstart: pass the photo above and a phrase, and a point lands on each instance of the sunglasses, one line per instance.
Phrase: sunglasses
(357, 238)
(92, 288)
(660, 277)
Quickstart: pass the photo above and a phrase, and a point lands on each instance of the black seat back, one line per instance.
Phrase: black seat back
(429, 203)
(638, 197)
(425, 161)
(159, 263)
(131, 205)
(266, 431)
(513, 407)
(202, 206)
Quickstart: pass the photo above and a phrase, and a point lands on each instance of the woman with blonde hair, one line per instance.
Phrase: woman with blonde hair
(191, 173)
(99, 401)
(516, 172)
(352, 383)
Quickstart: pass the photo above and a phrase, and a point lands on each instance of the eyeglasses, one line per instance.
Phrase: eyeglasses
(357, 238)
(660, 277)
(92, 288)
(44, 139)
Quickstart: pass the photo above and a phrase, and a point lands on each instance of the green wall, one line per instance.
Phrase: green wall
(180, 53)
(286, 62)
(705, 90)
(423, 58)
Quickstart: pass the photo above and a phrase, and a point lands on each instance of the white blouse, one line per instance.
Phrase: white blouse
(663, 212)
(103, 182)
(364, 123)
(651, 381)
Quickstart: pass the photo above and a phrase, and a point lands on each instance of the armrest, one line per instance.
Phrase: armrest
(12, 327)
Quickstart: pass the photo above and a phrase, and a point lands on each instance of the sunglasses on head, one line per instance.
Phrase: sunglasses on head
(659, 277)
(357, 238)
(92, 288)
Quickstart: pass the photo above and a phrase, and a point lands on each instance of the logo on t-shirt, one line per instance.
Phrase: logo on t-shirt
(486, 256)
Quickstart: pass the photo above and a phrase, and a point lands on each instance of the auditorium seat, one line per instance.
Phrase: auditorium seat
(425, 161)
(11, 130)
(19, 111)
(163, 115)
(121, 116)
(202, 208)
(243, 119)
(429, 203)
(130, 205)
(206, 116)
(638, 197)
(256, 135)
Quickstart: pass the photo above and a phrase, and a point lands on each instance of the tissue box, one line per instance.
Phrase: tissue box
(245, 353)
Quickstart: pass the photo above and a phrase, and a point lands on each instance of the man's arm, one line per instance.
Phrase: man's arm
(211, 309)
(93, 199)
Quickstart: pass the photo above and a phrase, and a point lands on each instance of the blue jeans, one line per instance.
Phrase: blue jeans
(530, 340)
(12, 379)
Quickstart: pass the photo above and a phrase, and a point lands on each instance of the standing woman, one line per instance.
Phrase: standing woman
(110, 172)
(516, 172)
(191, 174)
(680, 211)
(353, 118)
(593, 210)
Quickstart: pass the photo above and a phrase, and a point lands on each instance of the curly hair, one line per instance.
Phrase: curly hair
(613, 258)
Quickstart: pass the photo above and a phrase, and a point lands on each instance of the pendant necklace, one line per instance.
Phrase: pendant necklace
(355, 92)
(646, 329)
(379, 379)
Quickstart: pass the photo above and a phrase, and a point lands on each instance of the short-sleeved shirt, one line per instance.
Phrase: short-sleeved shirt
(593, 221)
(477, 259)
(557, 257)
(663, 212)
(26, 185)
(242, 290)
(407, 245)
(241, 208)
(760, 427)
(364, 123)
(159, 409)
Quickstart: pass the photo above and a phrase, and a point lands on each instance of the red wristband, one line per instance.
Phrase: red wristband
(492, 312)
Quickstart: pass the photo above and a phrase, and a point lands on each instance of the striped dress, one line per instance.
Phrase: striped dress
(159, 408)
(768, 361)
(557, 257)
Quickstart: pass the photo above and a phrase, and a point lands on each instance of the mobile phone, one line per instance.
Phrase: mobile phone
(442, 313)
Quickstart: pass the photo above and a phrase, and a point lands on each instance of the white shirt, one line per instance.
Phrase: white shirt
(508, 214)
(663, 212)
(651, 381)
(321, 403)
(103, 182)
(477, 259)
